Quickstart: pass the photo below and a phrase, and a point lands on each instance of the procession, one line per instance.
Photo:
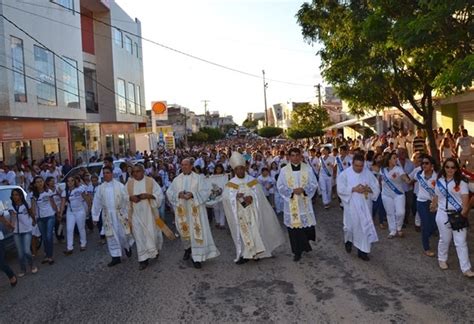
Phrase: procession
(205, 186)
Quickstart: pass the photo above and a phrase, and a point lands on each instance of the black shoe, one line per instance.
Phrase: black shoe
(115, 261)
(417, 229)
(348, 247)
(297, 257)
(187, 254)
(128, 252)
(363, 256)
(143, 265)
(197, 265)
(241, 261)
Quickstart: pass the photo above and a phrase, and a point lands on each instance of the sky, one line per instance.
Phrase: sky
(247, 35)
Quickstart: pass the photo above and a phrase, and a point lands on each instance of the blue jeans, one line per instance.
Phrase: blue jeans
(428, 222)
(46, 227)
(23, 247)
(378, 208)
(3, 265)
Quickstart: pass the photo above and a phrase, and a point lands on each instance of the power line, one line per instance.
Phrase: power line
(63, 59)
(181, 52)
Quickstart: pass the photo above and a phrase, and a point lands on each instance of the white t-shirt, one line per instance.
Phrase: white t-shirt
(423, 195)
(412, 176)
(328, 168)
(395, 177)
(465, 145)
(267, 182)
(455, 191)
(76, 201)
(43, 203)
(22, 222)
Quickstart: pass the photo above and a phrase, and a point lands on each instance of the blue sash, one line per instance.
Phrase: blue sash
(390, 183)
(451, 200)
(323, 164)
(339, 164)
(422, 182)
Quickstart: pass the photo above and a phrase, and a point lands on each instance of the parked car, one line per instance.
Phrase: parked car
(5, 204)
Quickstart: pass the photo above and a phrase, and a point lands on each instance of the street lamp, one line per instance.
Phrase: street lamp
(265, 86)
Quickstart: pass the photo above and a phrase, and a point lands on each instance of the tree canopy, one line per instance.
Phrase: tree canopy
(388, 53)
(270, 131)
(308, 120)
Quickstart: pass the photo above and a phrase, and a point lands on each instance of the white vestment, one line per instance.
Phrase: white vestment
(111, 199)
(298, 209)
(191, 216)
(358, 224)
(148, 238)
(255, 228)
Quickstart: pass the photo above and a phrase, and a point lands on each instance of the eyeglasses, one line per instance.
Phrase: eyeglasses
(452, 167)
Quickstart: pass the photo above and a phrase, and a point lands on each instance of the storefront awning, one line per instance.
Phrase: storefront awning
(350, 122)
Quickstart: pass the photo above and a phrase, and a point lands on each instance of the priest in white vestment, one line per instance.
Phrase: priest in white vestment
(357, 187)
(146, 197)
(188, 195)
(297, 185)
(111, 199)
(252, 221)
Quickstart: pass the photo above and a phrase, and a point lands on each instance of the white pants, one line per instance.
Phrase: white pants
(395, 208)
(72, 218)
(219, 214)
(325, 183)
(446, 234)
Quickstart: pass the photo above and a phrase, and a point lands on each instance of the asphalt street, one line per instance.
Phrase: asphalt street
(398, 285)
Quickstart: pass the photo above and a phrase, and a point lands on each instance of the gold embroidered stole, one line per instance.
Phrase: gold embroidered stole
(244, 221)
(294, 201)
(188, 207)
(108, 227)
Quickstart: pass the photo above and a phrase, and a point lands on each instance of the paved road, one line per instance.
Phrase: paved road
(398, 285)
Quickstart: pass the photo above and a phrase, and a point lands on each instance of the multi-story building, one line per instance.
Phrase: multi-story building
(70, 85)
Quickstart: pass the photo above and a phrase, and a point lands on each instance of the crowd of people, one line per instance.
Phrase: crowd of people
(388, 180)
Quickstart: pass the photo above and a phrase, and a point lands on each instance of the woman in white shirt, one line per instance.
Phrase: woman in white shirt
(426, 179)
(22, 221)
(393, 196)
(45, 210)
(75, 200)
(452, 196)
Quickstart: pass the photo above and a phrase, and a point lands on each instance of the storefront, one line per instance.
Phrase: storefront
(118, 138)
(33, 140)
(85, 139)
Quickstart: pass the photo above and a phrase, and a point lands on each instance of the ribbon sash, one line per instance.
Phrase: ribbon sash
(424, 184)
(389, 183)
(449, 197)
(325, 168)
(339, 164)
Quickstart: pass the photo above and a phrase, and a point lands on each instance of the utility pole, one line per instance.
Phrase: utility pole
(265, 85)
(318, 86)
(205, 111)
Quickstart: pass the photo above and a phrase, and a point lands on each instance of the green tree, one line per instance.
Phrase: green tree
(388, 53)
(308, 120)
(199, 137)
(213, 134)
(250, 124)
(270, 131)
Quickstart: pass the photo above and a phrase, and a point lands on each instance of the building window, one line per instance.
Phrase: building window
(69, 4)
(70, 83)
(121, 96)
(137, 52)
(18, 64)
(118, 39)
(46, 85)
(131, 98)
(90, 87)
(138, 102)
(128, 44)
